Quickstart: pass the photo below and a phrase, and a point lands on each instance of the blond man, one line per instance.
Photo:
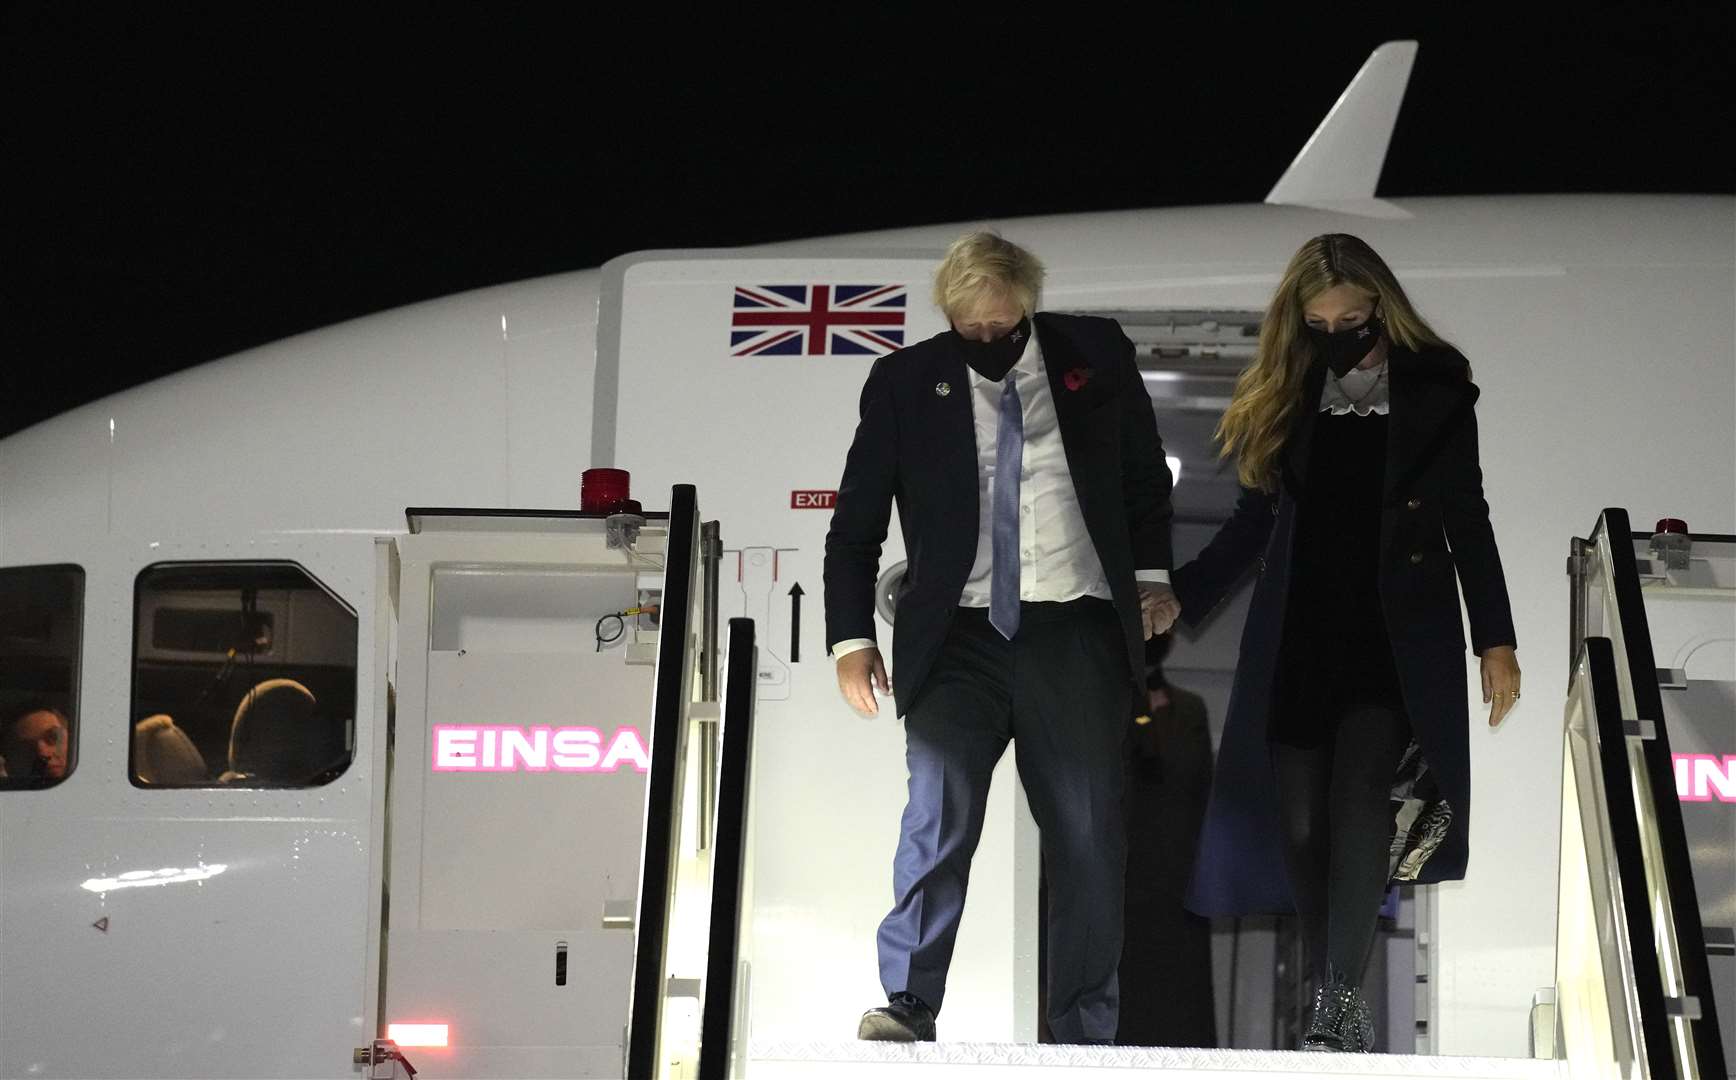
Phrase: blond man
(1023, 455)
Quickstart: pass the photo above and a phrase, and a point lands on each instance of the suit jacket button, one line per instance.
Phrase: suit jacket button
(1413, 504)
(1274, 507)
(1416, 558)
(1262, 562)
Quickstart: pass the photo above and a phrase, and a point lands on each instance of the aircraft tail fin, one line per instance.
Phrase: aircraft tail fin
(1341, 162)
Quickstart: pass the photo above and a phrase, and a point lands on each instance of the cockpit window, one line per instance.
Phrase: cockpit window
(244, 675)
(41, 621)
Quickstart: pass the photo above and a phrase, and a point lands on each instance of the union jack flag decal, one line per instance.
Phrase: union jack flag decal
(817, 320)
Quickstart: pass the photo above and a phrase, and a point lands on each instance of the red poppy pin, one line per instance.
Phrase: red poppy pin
(1076, 378)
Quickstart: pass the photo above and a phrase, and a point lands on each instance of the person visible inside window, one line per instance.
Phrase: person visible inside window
(35, 742)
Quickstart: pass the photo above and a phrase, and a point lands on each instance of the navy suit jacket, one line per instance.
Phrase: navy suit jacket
(915, 447)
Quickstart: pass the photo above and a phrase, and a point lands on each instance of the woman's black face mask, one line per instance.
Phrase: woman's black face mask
(993, 359)
(1348, 347)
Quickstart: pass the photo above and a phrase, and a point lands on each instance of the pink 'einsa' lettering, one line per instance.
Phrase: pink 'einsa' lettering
(500, 748)
(1705, 777)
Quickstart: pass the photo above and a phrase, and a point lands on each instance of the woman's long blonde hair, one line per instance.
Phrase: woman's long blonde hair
(1267, 394)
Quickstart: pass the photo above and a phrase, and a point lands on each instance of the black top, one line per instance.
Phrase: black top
(1336, 651)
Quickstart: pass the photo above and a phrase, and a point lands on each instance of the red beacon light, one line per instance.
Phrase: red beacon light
(1671, 543)
(607, 491)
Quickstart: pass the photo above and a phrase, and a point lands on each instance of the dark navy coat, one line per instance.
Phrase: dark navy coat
(915, 447)
(1434, 521)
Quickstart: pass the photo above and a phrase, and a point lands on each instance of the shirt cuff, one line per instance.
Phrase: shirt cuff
(1160, 577)
(849, 645)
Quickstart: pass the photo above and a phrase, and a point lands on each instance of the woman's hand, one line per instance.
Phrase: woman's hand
(1500, 681)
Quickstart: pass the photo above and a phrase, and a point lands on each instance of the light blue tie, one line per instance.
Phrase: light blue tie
(1004, 526)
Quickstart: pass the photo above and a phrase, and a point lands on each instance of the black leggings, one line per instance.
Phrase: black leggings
(1338, 825)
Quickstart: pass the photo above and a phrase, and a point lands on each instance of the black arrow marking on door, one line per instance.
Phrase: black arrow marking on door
(796, 623)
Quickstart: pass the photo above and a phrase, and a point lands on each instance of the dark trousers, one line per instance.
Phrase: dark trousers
(1335, 792)
(1166, 962)
(1060, 692)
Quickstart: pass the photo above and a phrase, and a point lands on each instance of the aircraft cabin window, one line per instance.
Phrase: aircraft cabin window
(41, 620)
(244, 675)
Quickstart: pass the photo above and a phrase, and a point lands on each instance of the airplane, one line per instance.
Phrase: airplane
(356, 699)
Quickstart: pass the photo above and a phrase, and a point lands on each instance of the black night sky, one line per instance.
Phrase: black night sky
(186, 181)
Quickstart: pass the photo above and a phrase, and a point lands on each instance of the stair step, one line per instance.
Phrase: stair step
(855, 1059)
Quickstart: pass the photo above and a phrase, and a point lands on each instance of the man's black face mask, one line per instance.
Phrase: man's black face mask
(993, 359)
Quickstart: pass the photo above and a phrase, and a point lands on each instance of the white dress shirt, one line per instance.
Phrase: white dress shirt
(1057, 560)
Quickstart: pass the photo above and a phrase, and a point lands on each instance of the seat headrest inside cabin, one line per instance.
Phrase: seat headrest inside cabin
(279, 737)
(163, 755)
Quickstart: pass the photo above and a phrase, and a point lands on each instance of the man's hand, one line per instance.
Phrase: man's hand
(1158, 607)
(859, 674)
(1500, 681)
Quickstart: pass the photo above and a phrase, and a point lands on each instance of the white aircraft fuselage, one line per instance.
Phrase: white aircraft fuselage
(1599, 327)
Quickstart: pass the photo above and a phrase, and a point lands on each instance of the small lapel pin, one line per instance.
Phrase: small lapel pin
(1018, 336)
(942, 389)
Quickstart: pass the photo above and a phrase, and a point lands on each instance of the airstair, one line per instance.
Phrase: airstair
(1644, 953)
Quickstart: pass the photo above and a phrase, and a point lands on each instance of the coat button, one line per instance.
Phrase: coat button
(1413, 504)
(1274, 508)
(1416, 558)
(1262, 562)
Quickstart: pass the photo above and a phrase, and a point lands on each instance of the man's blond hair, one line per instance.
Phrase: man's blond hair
(981, 266)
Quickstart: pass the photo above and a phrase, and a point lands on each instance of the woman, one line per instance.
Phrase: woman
(1356, 446)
